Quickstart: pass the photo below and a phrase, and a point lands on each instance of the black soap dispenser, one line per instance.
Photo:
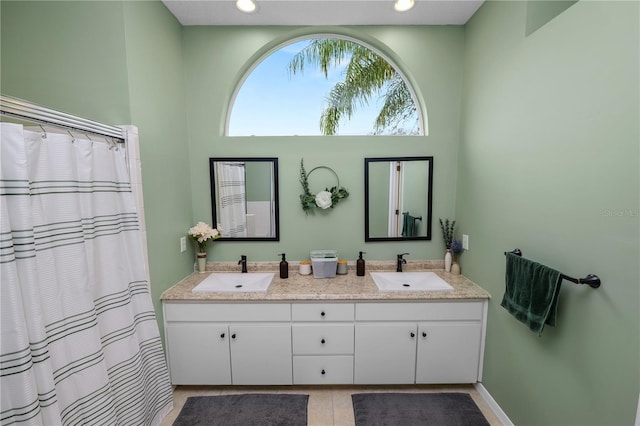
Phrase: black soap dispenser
(284, 266)
(360, 265)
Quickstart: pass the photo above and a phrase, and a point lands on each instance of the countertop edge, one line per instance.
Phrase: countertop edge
(346, 288)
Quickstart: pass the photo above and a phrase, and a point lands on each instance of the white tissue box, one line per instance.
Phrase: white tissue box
(324, 263)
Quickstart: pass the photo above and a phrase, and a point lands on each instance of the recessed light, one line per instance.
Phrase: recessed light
(248, 6)
(403, 5)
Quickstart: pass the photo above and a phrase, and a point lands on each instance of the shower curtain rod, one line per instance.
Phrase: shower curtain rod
(25, 110)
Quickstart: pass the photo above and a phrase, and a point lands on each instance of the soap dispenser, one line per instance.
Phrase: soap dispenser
(360, 265)
(284, 266)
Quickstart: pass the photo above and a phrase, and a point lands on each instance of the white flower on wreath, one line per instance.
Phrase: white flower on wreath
(323, 199)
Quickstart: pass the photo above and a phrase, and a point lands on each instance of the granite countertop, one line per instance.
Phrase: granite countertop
(349, 287)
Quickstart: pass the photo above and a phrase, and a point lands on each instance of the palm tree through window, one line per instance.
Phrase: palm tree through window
(324, 86)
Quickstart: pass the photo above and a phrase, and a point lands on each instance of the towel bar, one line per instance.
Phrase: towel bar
(415, 217)
(591, 280)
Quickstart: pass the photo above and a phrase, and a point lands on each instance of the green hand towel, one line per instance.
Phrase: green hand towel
(531, 292)
(409, 227)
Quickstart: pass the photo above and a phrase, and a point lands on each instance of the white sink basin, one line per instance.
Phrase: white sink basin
(235, 282)
(409, 281)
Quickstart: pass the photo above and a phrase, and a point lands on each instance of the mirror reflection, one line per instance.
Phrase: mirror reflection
(398, 198)
(244, 198)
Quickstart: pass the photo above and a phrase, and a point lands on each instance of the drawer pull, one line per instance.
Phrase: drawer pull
(323, 341)
(322, 314)
(233, 336)
(412, 334)
(222, 336)
(424, 334)
(323, 372)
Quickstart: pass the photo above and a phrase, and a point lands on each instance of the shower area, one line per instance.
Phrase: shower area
(79, 341)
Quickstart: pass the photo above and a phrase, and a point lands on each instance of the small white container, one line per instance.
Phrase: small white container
(305, 269)
(325, 263)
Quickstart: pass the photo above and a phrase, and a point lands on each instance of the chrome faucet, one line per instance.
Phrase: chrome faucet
(401, 261)
(243, 262)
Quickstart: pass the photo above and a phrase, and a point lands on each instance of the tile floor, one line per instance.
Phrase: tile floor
(327, 405)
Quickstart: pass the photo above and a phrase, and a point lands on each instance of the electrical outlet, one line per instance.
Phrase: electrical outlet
(183, 244)
(465, 241)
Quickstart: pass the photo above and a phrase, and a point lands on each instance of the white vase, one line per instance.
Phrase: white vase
(202, 262)
(447, 261)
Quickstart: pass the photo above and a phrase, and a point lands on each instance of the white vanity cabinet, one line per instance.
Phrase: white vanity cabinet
(198, 353)
(322, 336)
(260, 354)
(421, 342)
(228, 343)
(449, 352)
(337, 342)
(385, 353)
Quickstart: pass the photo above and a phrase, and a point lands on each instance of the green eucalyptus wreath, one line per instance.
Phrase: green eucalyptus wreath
(323, 199)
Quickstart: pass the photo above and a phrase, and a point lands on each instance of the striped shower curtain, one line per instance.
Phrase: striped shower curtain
(232, 198)
(79, 342)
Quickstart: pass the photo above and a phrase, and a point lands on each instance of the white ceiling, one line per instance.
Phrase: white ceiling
(323, 12)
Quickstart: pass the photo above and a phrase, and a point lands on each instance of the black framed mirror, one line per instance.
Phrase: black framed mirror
(397, 198)
(244, 198)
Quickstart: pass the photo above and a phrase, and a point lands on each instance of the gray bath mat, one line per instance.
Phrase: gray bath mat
(404, 409)
(244, 410)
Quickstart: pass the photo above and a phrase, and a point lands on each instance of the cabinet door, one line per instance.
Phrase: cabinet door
(448, 352)
(261, 354)
(198, 353)
(385, 353)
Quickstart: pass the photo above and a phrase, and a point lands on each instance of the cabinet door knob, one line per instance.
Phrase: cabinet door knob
(222, 336)
(323, 372)
(233, 336)
(323, 341)
(424, 334)
(412, 334)
(322, 314)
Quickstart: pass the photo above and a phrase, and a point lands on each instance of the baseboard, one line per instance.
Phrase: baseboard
(486, 396)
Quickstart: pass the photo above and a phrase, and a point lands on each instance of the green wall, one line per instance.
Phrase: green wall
(93, 59)
(549, 164)
(48, 57)
(157, 98)
(216, 59)
(258, 181)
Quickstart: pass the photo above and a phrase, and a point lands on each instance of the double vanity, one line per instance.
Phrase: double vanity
(419, 326)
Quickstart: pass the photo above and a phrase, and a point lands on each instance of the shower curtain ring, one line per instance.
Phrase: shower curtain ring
(44, 132)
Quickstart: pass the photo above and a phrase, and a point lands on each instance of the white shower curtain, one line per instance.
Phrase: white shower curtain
(231, 198)
(79, 342)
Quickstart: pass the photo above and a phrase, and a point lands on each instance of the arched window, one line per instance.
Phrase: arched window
(325, 85)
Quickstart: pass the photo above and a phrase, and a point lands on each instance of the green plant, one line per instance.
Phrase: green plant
(447, 231)
(367, 77)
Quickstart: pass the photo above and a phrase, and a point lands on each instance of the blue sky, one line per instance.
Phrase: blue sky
(271, 103)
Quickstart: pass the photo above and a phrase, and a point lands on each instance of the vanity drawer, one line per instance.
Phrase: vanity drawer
(421, 311)
(322, 312)
(227, 312)
(321, 339)
(317, 370)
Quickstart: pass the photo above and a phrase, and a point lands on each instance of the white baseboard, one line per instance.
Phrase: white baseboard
(486, 396)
